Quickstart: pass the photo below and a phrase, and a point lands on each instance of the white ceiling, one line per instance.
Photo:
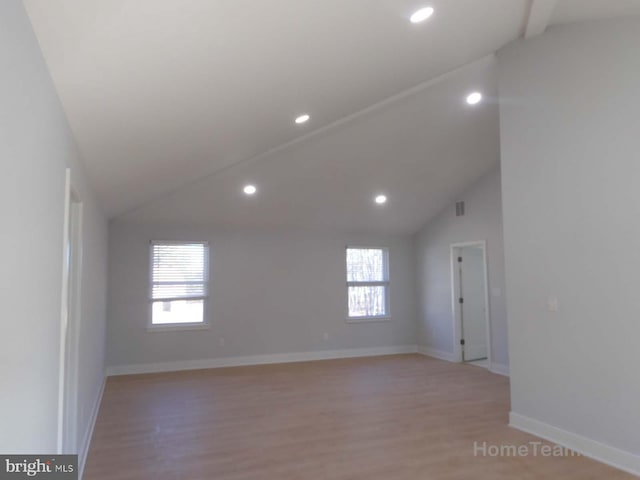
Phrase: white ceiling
(418, 150)
(570, 11)
(175, 104)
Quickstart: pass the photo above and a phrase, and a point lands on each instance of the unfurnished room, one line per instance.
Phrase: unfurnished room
(320, 239)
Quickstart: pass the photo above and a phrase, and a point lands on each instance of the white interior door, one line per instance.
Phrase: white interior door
(473, 307)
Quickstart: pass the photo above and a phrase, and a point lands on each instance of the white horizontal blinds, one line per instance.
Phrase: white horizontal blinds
(179, 271)
(366, 265)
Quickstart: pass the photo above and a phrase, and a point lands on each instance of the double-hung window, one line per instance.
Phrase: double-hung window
(367, 283)
(179, 283)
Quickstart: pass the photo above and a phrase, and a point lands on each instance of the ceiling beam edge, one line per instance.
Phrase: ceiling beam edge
(540, 12)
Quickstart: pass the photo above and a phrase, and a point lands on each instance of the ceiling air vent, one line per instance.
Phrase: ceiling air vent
(459, 209)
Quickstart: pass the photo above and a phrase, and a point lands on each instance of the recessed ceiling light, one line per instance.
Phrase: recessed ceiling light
(421, 15)
(250, 189)
(381, 199)
(474, 98)
(302, 119)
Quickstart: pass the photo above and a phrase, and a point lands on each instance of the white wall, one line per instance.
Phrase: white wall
(482, 221)
(270, 293)
(36, 146)
(570, 125)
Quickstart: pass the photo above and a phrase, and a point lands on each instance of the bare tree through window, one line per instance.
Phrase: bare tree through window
(367, 282)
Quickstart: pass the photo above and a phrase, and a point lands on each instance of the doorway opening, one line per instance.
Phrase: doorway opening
(70, 322)
(471, 303)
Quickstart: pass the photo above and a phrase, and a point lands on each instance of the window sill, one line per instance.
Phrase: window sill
(176, 327)
(367, 319)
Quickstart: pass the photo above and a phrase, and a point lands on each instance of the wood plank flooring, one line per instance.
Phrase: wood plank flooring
(403, 417)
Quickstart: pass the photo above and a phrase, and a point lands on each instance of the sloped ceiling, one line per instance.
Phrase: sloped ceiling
(416, 149)
(571, 11)
(176, 104)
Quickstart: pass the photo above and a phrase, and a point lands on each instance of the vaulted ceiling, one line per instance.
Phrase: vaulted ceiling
(176, 104)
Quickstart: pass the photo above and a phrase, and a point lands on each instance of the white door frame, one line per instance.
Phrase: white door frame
(455, 305)
(70, 320)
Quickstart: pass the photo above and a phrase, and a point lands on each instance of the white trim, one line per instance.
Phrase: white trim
(74, 322)
(64, 312)
(86, 441)
(177, 327)
(257, 360)
(70, 311)
(382, 318)
(499, 369)
(179, 242)
(431, 352)
(382, 283)
(169, 327)
(457, 319)
(612, 456)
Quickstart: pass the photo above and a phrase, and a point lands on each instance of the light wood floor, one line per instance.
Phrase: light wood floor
(404, 417)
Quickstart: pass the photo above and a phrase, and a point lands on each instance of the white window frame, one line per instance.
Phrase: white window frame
(172, 327)
(384, 283)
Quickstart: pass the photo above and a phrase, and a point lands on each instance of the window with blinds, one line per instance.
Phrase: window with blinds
(368, 283)
(179, 282)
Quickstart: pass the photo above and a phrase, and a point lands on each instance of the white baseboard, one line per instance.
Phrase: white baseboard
(257, 360)
(612, 456)
(499, 368)
(86, 441)
(430, 352)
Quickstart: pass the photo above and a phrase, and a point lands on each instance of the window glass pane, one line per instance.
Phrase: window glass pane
(367, 301)
(366, 265)
(178, 311)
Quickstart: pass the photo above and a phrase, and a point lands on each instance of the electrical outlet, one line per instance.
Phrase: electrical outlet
(325, 336)
(553, 304)
(221, 341)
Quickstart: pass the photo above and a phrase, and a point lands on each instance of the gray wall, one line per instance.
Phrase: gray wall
(570, 125)
(270, 293)
(36, 146)
(482, 221)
